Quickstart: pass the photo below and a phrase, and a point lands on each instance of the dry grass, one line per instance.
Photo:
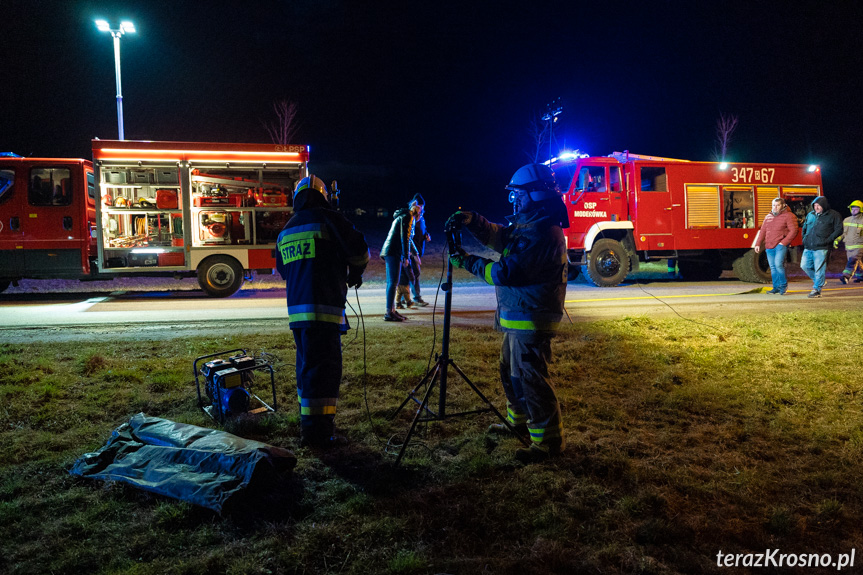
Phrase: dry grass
(684, 438)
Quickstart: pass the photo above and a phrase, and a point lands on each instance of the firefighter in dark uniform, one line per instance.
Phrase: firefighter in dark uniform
(530, 283)
(320, 254)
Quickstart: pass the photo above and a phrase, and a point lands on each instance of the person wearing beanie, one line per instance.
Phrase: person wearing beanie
(420, 237)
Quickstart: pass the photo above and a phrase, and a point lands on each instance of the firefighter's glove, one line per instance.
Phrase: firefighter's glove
(457, 258)
(836, 243)
(355, 278)
(458, 220)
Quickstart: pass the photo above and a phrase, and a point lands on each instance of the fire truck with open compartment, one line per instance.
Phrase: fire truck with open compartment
(625, 209)
(148, 208)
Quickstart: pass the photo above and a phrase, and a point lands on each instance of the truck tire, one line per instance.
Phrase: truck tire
(752, 267)
(220, 276)
(706, 269)
(607, 263)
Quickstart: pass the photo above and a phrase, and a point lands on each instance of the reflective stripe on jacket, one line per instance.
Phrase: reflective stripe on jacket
(313, 253)
(853, 232)
(529, 277)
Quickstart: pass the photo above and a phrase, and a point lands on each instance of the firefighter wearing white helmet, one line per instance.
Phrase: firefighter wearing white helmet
(319, 254)
(530, 284)
(852, 234)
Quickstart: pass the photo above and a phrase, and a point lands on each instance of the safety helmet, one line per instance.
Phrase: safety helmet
(313, 182)
(856, 204)
(537, 180)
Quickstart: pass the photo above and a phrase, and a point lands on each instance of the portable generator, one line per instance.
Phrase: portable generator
(228, 382)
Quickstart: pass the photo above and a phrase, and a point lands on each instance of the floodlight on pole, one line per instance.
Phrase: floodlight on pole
(126, 27)
(553, 110)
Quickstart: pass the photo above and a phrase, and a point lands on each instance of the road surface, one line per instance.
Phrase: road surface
(164, 314)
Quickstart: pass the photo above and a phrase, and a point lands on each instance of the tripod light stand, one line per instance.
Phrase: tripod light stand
(439, 371)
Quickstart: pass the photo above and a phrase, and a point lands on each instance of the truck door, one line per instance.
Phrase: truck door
(596, 197)
(53, 227)
(12, 204)
(655, 210)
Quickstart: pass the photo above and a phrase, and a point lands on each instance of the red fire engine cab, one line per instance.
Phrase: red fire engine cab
(148, 208)
(625, 209)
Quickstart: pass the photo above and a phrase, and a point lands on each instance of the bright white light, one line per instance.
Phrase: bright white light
(813, 168)
(103, 26)
(723, 166)
(127, 27)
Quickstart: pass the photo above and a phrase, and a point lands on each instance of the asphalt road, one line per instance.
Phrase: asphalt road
(166, 314)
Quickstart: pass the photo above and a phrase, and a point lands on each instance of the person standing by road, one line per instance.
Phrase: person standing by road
(852, 234)
(395, 252)
(530, 284)
(778, 230)
(820, 228)
(319, 254)
(420, 237)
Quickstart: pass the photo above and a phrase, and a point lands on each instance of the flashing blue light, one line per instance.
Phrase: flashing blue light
(812, 168)
(9, 155)
(567, 157)
(723, 166)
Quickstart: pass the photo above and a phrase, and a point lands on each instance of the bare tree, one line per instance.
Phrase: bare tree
(725, 126)
(538, 130)
(284, 128)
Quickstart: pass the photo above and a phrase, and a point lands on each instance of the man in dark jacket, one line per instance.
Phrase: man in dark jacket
(821, 226)
(420, 237)
(320, 254)
(530, 283)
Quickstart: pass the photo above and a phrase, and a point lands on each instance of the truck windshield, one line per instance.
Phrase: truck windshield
(563, 176)
(7, 180)
(591, 179)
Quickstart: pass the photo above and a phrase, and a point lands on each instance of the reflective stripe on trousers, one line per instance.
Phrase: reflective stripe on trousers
(319, 373)
(530, 396)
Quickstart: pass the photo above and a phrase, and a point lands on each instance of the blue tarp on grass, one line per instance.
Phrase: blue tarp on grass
(203, 466)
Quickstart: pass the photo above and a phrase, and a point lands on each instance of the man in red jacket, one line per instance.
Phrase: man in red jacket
(776, 234)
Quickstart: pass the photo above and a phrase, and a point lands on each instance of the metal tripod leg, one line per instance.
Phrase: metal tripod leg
(423, 405)
(491, 407)
(429, 376)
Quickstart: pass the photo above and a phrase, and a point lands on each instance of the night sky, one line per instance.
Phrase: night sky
(437, 97)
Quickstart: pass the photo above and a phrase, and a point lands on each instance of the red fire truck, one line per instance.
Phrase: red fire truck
(625, 209)
(148, 208)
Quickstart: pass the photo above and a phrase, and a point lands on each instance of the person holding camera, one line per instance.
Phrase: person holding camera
(530, 284)
(319, 254)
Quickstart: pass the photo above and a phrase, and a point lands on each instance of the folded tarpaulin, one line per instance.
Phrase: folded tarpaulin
(203, 466)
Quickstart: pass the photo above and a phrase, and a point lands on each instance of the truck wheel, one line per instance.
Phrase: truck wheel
(752, 267)
(220, 276)
(701, 270)
(607, 263)
(3, 285)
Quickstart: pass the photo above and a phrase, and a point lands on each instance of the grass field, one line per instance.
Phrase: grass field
(685, 438)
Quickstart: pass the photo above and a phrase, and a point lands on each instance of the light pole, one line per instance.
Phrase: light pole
(553, 110)
(125, 27)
